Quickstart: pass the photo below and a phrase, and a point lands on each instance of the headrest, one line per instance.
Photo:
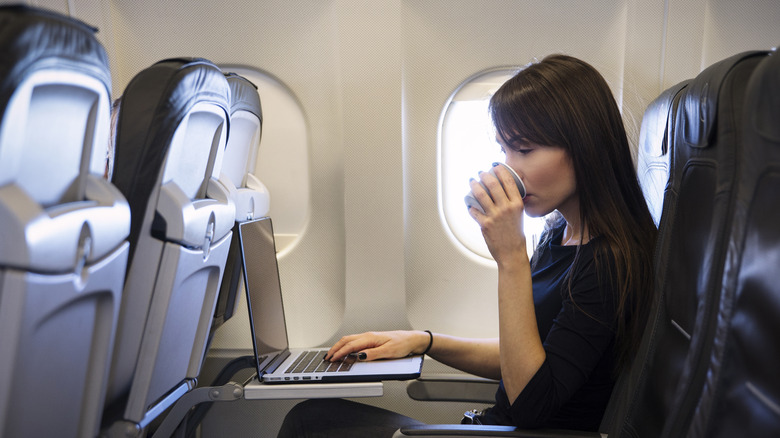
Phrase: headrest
(33, 39)
(653, 135)
(763, 116)
(699, 104)
(244, 96)
(153, 105)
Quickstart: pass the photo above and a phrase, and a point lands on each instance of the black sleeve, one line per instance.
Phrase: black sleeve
(582, 333)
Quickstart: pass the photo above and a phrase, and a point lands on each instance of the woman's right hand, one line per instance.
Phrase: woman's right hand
(502, 220)
(379, 345)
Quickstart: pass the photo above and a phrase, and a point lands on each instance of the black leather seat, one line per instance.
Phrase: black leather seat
(670, 370)
(741, 395)
(654, 150)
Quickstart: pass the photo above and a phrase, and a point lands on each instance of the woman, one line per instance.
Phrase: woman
(570, 318)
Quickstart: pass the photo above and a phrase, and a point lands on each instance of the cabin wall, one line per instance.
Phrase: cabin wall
(372, 79)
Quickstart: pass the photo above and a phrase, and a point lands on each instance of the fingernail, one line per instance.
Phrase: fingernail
(362, 356)
(496, 164)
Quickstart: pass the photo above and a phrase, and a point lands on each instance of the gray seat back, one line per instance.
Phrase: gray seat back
(171, 134)
(63, 248)
(237, 175)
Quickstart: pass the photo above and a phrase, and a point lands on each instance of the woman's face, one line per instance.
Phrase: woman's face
(548, 176)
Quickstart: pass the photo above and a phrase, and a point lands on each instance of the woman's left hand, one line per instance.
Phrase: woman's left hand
(379, 345)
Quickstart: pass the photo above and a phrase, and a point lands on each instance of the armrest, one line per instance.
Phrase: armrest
(468, 388)
(461, 430)
(453, 387)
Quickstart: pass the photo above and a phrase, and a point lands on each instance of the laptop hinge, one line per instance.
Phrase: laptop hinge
(271, 368)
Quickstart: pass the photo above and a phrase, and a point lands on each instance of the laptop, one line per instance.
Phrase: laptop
(276, 362)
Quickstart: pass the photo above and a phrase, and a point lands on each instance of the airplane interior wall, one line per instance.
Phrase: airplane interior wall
(372, 79)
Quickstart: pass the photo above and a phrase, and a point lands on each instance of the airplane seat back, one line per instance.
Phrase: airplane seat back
(246, 129)
(653, 152)
(63, 248)
(670, 369)
(742, 392)
(250, 196)
(172, 130)
(653, 166)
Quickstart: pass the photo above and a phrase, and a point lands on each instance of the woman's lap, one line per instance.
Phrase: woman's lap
(342, 418)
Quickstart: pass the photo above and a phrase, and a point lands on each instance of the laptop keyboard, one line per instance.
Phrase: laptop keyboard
(313, 362)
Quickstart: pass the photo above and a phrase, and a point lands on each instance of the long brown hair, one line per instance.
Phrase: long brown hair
(563, 101)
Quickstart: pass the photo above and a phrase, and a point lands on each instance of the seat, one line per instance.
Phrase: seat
(249, 195)
(659, 394)
(663, 390)
(741, 396)
(252, 200)
(653, 150)
(172, 130)
(63, 240)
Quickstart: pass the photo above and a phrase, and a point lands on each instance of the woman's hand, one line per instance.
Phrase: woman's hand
(502, 222)
(379, 345)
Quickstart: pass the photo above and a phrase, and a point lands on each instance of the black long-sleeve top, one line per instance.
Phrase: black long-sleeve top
(577, 327)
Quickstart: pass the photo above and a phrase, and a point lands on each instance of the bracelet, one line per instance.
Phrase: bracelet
(430, 343)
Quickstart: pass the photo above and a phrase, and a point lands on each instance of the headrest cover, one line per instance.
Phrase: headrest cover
(763, 115)
(653, 136)
(244, 96)
(153, 105)
(700, 103)
(33, 39)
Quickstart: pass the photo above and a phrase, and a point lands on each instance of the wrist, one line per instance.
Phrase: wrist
(516, 261)
(426, 342)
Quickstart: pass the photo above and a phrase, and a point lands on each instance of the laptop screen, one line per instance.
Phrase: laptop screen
(264, 294)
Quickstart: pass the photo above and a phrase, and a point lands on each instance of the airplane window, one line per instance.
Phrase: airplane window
(467, 145)
(283, 158)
